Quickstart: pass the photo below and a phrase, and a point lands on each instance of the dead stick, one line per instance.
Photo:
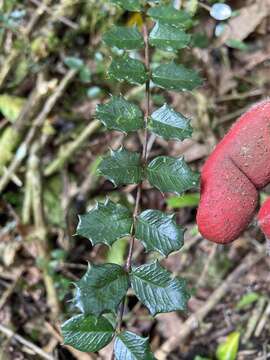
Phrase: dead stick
(10, 289)
(263, 321)
(207, 265)
(41, 229)
(194, 320)
(10, 334)
(62, 19)
(12, 135)
(254, 319)
(13, 56)
(37, 123)
(67, 151)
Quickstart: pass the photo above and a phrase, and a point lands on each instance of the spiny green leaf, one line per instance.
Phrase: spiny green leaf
(157, 290)
(171, 175)
(159, 232)
(124, 37)
(168, 37)
(105, 223)
(87, 333)
(130, 5)
(127, 69)
(170, 15)
(122, 167)
(176, 77)
(170, 124)
(130, 346)
(119, 114)
(101, 289)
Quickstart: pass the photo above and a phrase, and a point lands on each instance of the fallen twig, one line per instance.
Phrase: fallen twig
(10, 334)
(254, 319)
(206, 267)
(37, 123)
(263, 321)
(62, 19)
(40, 228)
(14, 54)
(67, 151)
(12, 135)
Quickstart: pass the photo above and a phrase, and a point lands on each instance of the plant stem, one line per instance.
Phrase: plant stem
(147, 91)
(144, 161)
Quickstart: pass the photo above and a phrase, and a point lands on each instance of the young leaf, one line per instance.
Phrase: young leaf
(119, 114)
(130, 5)
(229, 349)
(105, 223)
(124, 37)
(171, 175)
(116, 254)
(130, 346)
(159, 232)
(170, 15)
(127, 69)
(157, 290)
(87, 333)
(101, 289)
(176, 77)
(247, 299)
(170, 124)
(122, 167)
(168, 37)
(186, 200)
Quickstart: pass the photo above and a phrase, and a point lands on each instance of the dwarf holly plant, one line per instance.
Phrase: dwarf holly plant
(101, 294)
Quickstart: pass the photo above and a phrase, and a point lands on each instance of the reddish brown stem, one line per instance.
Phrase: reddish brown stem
(144, 161)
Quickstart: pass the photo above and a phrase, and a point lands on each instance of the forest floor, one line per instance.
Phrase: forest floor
(52, 179)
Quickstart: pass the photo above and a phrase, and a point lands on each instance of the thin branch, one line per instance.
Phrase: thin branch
(13, 55)
(6, 294)
(207, 265)
(62, 19)
(12, 335)
(68, 150)
(254, 319)
(37, 123)
(147, 92)
(144, 161)
(36, 16)
(204, 6)
(41, 229)
(145, 147)
(12, 135)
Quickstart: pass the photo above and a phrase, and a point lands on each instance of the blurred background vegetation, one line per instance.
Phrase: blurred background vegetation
(52, 75)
